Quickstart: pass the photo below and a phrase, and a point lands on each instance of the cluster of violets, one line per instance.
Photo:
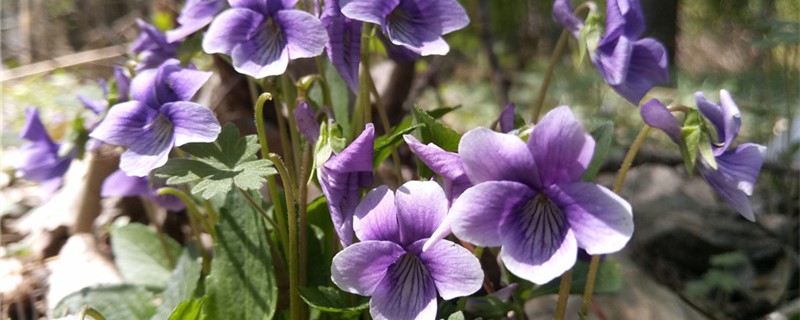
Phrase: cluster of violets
(518, 189)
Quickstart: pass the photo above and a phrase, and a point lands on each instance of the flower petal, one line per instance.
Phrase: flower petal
(306, 120)
(174, 83)
(612, 59)
(123, 83)
(561, 147)
(441, 16)
(96, 106)
(455, 271)
(344, 43)
(601, 221)
(191, 122)
(356, 157)
(119, 184)
(538, 244)
(648, 66)
(563, 12)
(368, 10)
(624, 17)
(421, 207)
(488, 155)
(124, 123)
(34, 130)
(262, 55)
(444, 163)
(195, 15)
(507, 118)
(408, 33)
(656, 115)
(725, 118)
(376, 216)
(359, 268)
(231, 28)
(407, 292)
(736, 176)
(477, 214)
(150, 149)
(305, 35)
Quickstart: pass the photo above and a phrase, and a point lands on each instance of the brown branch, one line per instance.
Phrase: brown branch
(66, 61)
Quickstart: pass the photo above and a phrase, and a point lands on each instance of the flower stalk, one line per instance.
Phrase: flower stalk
(295, 305)
(194, 217)
(594, 264)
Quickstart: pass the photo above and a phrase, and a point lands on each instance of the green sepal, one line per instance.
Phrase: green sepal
(603, 137)
(691, 134)
(332, 300)
(590, 34)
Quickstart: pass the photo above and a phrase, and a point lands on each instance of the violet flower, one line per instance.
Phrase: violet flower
(342, 176)
(630, 66)
(344, 42)
(39, 160)
(529, 198)
(507, 117)
(444, 163)
(262, 36)
(416, 25)
(119, 184)
(158, 118)
(389, 263)
(306, 120)
(195, 15)
(152, 47)
(737, 168)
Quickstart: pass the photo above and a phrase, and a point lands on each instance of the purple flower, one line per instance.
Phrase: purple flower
(195, 15)
(507, 118)
(389, 263)
(342, 176)
(344, 42)
(529, 198)
(630, 66)
(444, 163)
(737, 169)
(119, 184)
(158, 117)
(416, 25)
(39, 159)
(151, 47)
(306, 120)
(262, 36)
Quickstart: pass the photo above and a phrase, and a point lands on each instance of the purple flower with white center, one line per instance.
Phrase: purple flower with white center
(195, 15)
(342, 176)
(261, 36)
(344, 42)
(389, 263)
(119, 184)
(417, 25)
(737, 169)
(529, 198)
(39, 160)
(158, 118)
(630, 66)
(151, 47)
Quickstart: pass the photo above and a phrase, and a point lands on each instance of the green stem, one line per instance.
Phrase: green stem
(195, 215)
(303, 191)
(295, 307)
(560, 45)
(326, 90)
(559, 49)
(398, 170)
(286, 145)
(563, 295)
(96, 315)
(272, 185)
(294, 133)
(363, 112)
(618, 182)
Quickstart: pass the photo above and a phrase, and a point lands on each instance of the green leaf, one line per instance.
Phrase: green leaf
(331, 300)
(229, 162)
(182, 283)
(340, 96)
(141, 256)
(188, 310)
(609, 280)
(490, 307)
(603, 137)
(435, 131)
(118, 301)
(438, 113)
(386, 143)
(242, 283)
(691, 133)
